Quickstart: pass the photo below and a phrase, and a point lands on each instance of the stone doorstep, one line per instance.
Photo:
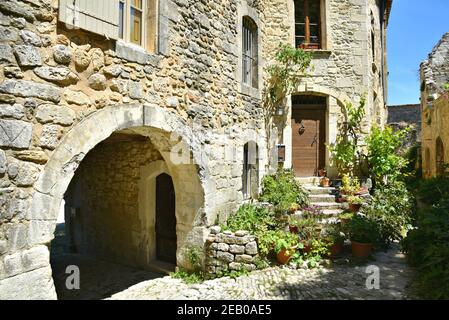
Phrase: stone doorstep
(322, 198)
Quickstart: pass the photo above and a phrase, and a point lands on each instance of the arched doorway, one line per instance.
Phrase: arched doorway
(152, 125)
(165, 219)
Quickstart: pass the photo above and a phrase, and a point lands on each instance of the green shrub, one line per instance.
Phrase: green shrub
(392, 207)
(282, 190)
(431, 191)
(362, 229)
(188, 277)
(427, 248)
(384, 159)
(251, 218)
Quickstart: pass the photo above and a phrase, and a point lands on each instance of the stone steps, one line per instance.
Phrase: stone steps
(323, 197)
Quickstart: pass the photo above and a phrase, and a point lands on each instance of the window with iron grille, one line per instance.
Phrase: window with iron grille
(250, 53)
(308, 24)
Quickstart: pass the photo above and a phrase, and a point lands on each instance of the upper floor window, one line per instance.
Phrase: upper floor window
(137, 22)
(308, 24)
(250, 53)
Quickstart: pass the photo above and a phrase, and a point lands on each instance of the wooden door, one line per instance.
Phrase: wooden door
(308, 140)
(165, 219)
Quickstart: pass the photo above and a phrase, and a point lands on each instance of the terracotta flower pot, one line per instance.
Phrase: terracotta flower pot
(283, 257)
(293, 229)
(353, 207)
(361, 250)
(307, 248)
(336, 249)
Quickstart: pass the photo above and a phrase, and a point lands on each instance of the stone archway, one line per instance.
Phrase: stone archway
(188, 176)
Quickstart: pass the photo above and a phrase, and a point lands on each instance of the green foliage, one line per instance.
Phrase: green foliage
(350, 185)
(195, 254)
(282, 190)
(286, 73)
(251, 218)
(345, 151)
(333, 234)
(362, 229)
(392, 208)
(188, 277)
(383, 153)
(285, 241)
(355, 200)
(432, 191)
(427, 248)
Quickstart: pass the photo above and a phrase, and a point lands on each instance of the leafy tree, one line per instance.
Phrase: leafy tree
(384, 159)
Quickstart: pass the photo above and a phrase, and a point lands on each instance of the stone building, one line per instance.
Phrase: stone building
(406, 116)
(145, 117)
(434, 109)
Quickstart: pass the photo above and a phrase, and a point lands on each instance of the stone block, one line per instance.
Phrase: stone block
(8, 34)
(6, 54)
(244, 258)
(55, 113)
(50, 136)
(237, 249)
(223, 247)
(16, 111)
(251, 248)
(225, 256)
(62, 54)
(15, 134)
(27, 89)
(27, 56)
(30, 38)
(76, 97)
(60, 75)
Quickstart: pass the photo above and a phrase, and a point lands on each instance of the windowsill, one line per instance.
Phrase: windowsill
(250, 91)
(319, 51)
(135, 53)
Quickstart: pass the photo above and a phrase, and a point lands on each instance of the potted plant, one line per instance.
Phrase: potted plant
(285, 247)
(355, 203)
(322, 172)
(324, 182)
(345, 217)
(293, 208)
(308, 231)
(363, 233)
(335, 237)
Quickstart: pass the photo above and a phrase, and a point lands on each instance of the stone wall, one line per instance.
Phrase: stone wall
(402, 116)
(63, 91)
(227, 251)
(344, 70)
(434, 75)
(434, 126)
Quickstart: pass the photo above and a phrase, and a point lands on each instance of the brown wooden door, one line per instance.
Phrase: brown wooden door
(165, 219)
(308, 140)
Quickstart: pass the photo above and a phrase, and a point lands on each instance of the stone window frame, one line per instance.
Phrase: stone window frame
(149, 24)
(245, 10)
(250, 174)
(439, 156)
(326, 43)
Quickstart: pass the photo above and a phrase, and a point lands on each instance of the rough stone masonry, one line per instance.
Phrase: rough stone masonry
(64, 90)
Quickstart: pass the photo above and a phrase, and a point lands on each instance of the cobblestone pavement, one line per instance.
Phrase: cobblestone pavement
(342, 280)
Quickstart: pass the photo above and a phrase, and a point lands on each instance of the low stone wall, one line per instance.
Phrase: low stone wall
(228, 251)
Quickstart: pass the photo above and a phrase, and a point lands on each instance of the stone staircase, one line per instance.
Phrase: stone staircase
(324, 198)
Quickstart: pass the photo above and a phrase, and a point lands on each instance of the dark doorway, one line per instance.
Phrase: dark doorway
(165, 219)
(308, 135)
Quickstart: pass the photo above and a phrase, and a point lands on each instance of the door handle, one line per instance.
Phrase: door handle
(315, 140)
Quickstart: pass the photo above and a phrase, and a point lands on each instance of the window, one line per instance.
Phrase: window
(440, 157)
(373, 38)
(308, 24)
(138, 22)
(250, 53)
(250, 183)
